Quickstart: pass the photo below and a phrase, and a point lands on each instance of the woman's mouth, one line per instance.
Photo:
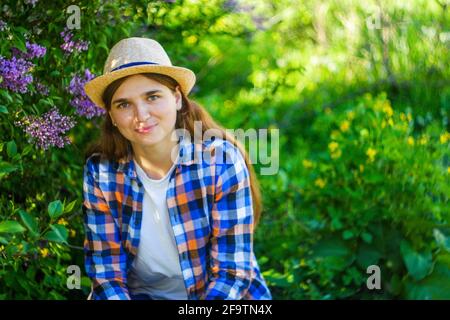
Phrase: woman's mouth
(147, 129)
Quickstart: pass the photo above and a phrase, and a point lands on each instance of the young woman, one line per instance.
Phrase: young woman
(166, 217)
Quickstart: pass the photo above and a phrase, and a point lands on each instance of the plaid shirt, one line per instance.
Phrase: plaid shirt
(210, 208)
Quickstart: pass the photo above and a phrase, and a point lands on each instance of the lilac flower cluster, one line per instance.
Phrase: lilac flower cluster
(47, 130)
(70, 45)
(15, 74)
(33, 51)
(32, 2)
(84, 106)
(3, 25)
(42, 89)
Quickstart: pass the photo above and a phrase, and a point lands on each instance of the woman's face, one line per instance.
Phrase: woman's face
(145, 110)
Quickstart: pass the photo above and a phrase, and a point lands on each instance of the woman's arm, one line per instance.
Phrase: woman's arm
(105, 259)
(232, 228)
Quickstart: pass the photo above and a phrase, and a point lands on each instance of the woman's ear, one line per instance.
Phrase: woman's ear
(112, 119)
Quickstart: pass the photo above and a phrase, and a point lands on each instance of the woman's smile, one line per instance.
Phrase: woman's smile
(147, 129)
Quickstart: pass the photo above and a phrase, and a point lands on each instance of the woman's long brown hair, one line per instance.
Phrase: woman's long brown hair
(113, 146)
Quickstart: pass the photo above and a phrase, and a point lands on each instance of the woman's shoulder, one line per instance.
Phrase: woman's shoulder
(96, 163)
(224, 151)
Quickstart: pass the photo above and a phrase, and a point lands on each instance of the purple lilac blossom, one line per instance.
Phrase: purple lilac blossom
(32, 2)
(33, 51)
(71, 45)
(84, 106)
(47, 131)
(15, 74)
(3, 25)
(42, 89)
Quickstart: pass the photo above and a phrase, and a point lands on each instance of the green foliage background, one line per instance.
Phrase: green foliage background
(359, 91)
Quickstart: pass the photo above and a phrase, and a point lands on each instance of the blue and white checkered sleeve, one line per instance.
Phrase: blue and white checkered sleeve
(232, 227)
(105, 259)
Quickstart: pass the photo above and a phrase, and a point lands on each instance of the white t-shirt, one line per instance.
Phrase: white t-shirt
(156, 268)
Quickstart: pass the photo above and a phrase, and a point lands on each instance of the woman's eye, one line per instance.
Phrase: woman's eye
(151, 98)
(122, 105)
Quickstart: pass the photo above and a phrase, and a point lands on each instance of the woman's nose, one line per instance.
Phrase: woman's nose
(142, 112)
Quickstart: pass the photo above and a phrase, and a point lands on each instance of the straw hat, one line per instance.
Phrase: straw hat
(137, 55)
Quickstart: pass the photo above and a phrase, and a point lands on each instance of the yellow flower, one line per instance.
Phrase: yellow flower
(2, 248)
(361, 168)
(409, 116)
(191, 39)
(402, 116)
(73, 233)
(387, 109)
(320, 183)
(423, 140)
(371, 154)
(391, 122)
(336, 154)
(307, 164)
(351, 115)
(304, 286)
(410, 141)
(364, 133)
(345, 125)
(448, 169)
(63, 222)
(333, 146)
(44, 252)
(335, 134)
(444, 137)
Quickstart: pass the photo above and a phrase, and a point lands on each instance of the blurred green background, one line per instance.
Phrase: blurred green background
(359, 90)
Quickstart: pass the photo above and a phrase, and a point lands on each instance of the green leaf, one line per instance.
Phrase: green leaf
(367, 256)
(418, 264)
(29, 222)
(3, 240)
(11, 148)
(55, 209)
(58, 233)
(70, 206)
(434, 287)
(21, 29)
(7, 96)
(19, 42)
(367, 237)
(3, 109)
(330, 247)
(347, 234)
(6, 167)
(11, 226)
(441, 239)
(27, 150)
